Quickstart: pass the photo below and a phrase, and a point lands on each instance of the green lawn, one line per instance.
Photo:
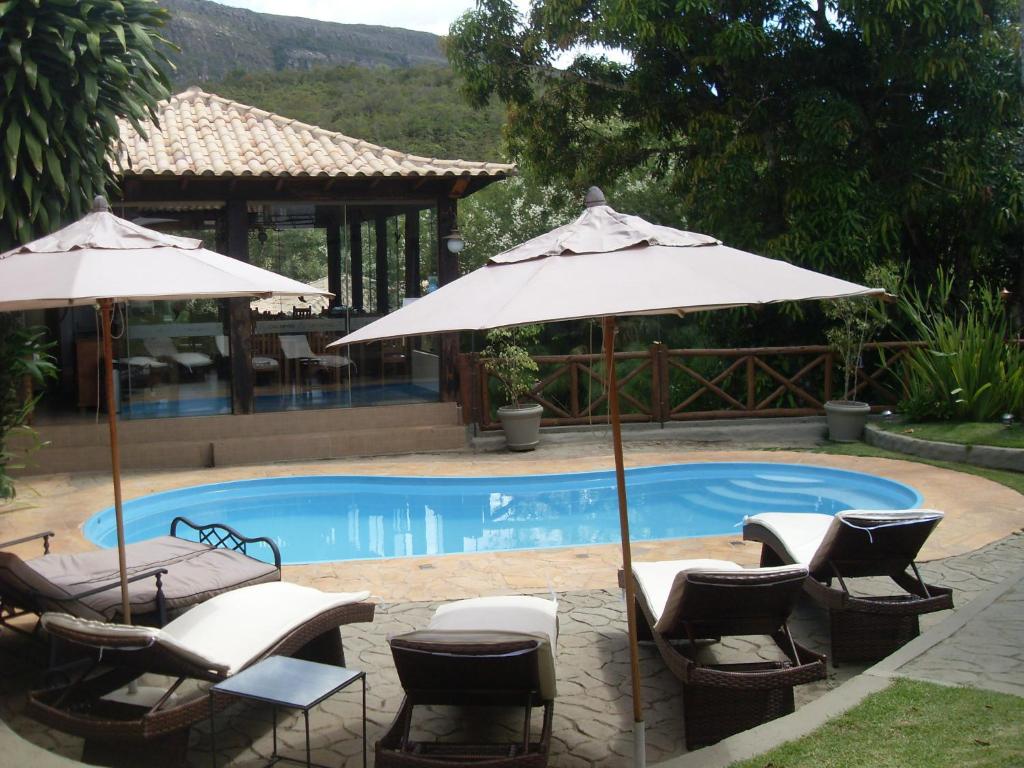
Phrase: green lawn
(965, 433)
(912, 725)
(1014, 480)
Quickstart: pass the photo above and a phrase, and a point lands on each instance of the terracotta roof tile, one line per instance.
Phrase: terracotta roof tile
(203, 134)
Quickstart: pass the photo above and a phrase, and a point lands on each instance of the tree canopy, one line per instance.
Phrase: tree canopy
(70, 69)
(834, 134)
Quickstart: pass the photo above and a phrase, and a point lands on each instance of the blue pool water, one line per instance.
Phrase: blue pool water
(320, 519)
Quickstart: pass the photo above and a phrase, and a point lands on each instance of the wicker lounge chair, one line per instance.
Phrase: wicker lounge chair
(482, 652)
(853, 544)
(211, 642)
(686, 605)
(166, 575)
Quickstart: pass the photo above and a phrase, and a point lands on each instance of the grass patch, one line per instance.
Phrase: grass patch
(964, 433)
(912, 725)
(1014, 480)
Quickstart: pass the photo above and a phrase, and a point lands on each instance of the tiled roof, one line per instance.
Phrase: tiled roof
(203, 134)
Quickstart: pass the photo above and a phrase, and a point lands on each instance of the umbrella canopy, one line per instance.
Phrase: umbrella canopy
(607, 264)
(102, 256)
(102, 259)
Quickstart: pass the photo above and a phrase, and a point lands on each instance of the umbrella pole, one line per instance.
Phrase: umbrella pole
(639, 745)
(106, 309)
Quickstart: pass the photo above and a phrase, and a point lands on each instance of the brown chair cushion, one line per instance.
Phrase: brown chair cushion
(195, 572)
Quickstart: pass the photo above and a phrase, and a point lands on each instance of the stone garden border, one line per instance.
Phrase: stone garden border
(988, 456)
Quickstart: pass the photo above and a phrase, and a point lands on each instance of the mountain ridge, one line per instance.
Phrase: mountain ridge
(216, 40)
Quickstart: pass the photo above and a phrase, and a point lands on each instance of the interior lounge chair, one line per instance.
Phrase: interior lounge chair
(853, 544)
(140, 369)
(685, 606)
(208, 643)
(482, 652)
(297, 352)
(261, 364)
(163, 348)
(167, 574)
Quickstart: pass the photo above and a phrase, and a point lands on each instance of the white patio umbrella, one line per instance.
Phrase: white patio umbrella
(103, 259)
(607, 264)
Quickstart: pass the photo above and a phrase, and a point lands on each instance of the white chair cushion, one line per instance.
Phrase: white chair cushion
(260, 363)
(799, 532)
(236, 627)
(513, 613)
(100, 630)
(879, 518)
(228, 631)
(655, 580)
(332, 361)
(192, 359)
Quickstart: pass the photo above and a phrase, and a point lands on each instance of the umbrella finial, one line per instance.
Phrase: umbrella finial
(100, 204)
(594, 197)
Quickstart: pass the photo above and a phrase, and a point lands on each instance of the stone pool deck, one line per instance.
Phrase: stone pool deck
(974, 548)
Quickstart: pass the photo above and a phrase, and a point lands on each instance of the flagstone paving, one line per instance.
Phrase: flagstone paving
(593, 709)
(987, 652)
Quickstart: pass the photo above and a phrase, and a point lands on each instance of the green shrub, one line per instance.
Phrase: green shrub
(23, 353)
(506, 358)
(971, 368)
(857, 320)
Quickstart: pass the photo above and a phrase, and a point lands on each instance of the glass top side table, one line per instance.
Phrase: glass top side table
(282, 681)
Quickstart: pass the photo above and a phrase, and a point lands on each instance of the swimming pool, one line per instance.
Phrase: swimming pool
(322, 519)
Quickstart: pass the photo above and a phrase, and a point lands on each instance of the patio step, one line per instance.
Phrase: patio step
(257, 438)
(335, 445)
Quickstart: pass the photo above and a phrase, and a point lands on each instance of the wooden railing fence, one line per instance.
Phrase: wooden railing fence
(662, 384)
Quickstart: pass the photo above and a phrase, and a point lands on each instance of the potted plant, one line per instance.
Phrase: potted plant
(857, 320)
(507, 358)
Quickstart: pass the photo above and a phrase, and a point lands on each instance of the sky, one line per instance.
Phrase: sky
(434, 16)
(426, 15)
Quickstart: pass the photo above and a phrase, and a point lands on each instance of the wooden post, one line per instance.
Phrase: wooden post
(412, 253)
(380, 231)
(627, 557)
(333, 226)
(447, 271)
(447, 262)
(659, 382)
(574, 389)
(106, 308)
(751, 386)
(239, 315)
(468, 393)
(355, 239)
(829, 363)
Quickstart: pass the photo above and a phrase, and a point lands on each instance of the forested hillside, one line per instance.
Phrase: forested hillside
(215, 39)
(415, 110)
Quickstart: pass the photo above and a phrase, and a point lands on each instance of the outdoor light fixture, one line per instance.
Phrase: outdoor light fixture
(888, 415)
(454, 240)
(1006, 419)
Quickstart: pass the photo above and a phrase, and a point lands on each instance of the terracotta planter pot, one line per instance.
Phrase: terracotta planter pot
(521, 425)
(846, 420)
